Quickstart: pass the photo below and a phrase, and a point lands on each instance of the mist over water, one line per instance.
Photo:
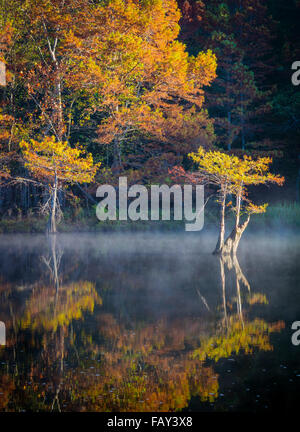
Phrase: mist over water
(148, 322)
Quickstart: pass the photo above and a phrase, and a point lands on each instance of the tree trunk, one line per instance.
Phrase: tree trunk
(238, 207)
(223, 283)
(239, 273)
(220, 243)
(232, 242)
(54, 261)
(58, 105)
(51, 228)
(239, 301)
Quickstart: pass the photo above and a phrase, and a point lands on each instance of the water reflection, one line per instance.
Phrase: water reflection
(81, 343)
(231, 262)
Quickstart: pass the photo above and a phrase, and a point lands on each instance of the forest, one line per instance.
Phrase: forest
(159, 91)
(110, 314)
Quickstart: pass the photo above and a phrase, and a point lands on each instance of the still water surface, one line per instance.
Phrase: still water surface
(148, 322)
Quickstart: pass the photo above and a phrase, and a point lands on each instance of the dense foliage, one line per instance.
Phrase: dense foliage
(139, 85)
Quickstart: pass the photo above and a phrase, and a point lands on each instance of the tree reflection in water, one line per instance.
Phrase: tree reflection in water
(66, 352)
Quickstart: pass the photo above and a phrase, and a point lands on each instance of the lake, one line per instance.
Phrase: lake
(149, 322)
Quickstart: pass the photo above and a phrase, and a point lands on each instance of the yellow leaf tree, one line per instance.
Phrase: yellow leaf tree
(232, 174)
(216, 167)
(56, 163)
(248, 172)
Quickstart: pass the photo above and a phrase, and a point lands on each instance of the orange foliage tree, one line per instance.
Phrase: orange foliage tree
(232, 174)
(142, 80)
(57, 163)
(41, 61)
(115, 67)
(248, 172)
(7, 121)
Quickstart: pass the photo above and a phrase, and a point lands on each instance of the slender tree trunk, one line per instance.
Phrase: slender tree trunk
(220, 243)
(54, 260)
(51, 228)
(239, 301)
(223, 283)
(58, 106)
(232, 242)
(238, 207)
(239, 274)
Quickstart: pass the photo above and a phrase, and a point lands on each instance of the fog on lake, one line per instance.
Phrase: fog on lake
(148, 322)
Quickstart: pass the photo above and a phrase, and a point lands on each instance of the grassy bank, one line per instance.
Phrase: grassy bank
(284, 215)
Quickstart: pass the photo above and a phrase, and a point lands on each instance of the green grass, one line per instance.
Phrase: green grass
(23, 225)
(85, 223)
(285, 215)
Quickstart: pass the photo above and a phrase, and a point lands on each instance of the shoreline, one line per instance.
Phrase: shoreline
(283, 216)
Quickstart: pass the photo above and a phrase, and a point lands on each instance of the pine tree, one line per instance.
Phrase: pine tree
(239, 32)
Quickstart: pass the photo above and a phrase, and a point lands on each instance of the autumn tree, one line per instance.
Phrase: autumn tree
(111, 71)
(232, 174)
(150, 91)
(40, 61)
(248, 172)
(55, 162)
(34, 101)
(216, 168)
(8, 123)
